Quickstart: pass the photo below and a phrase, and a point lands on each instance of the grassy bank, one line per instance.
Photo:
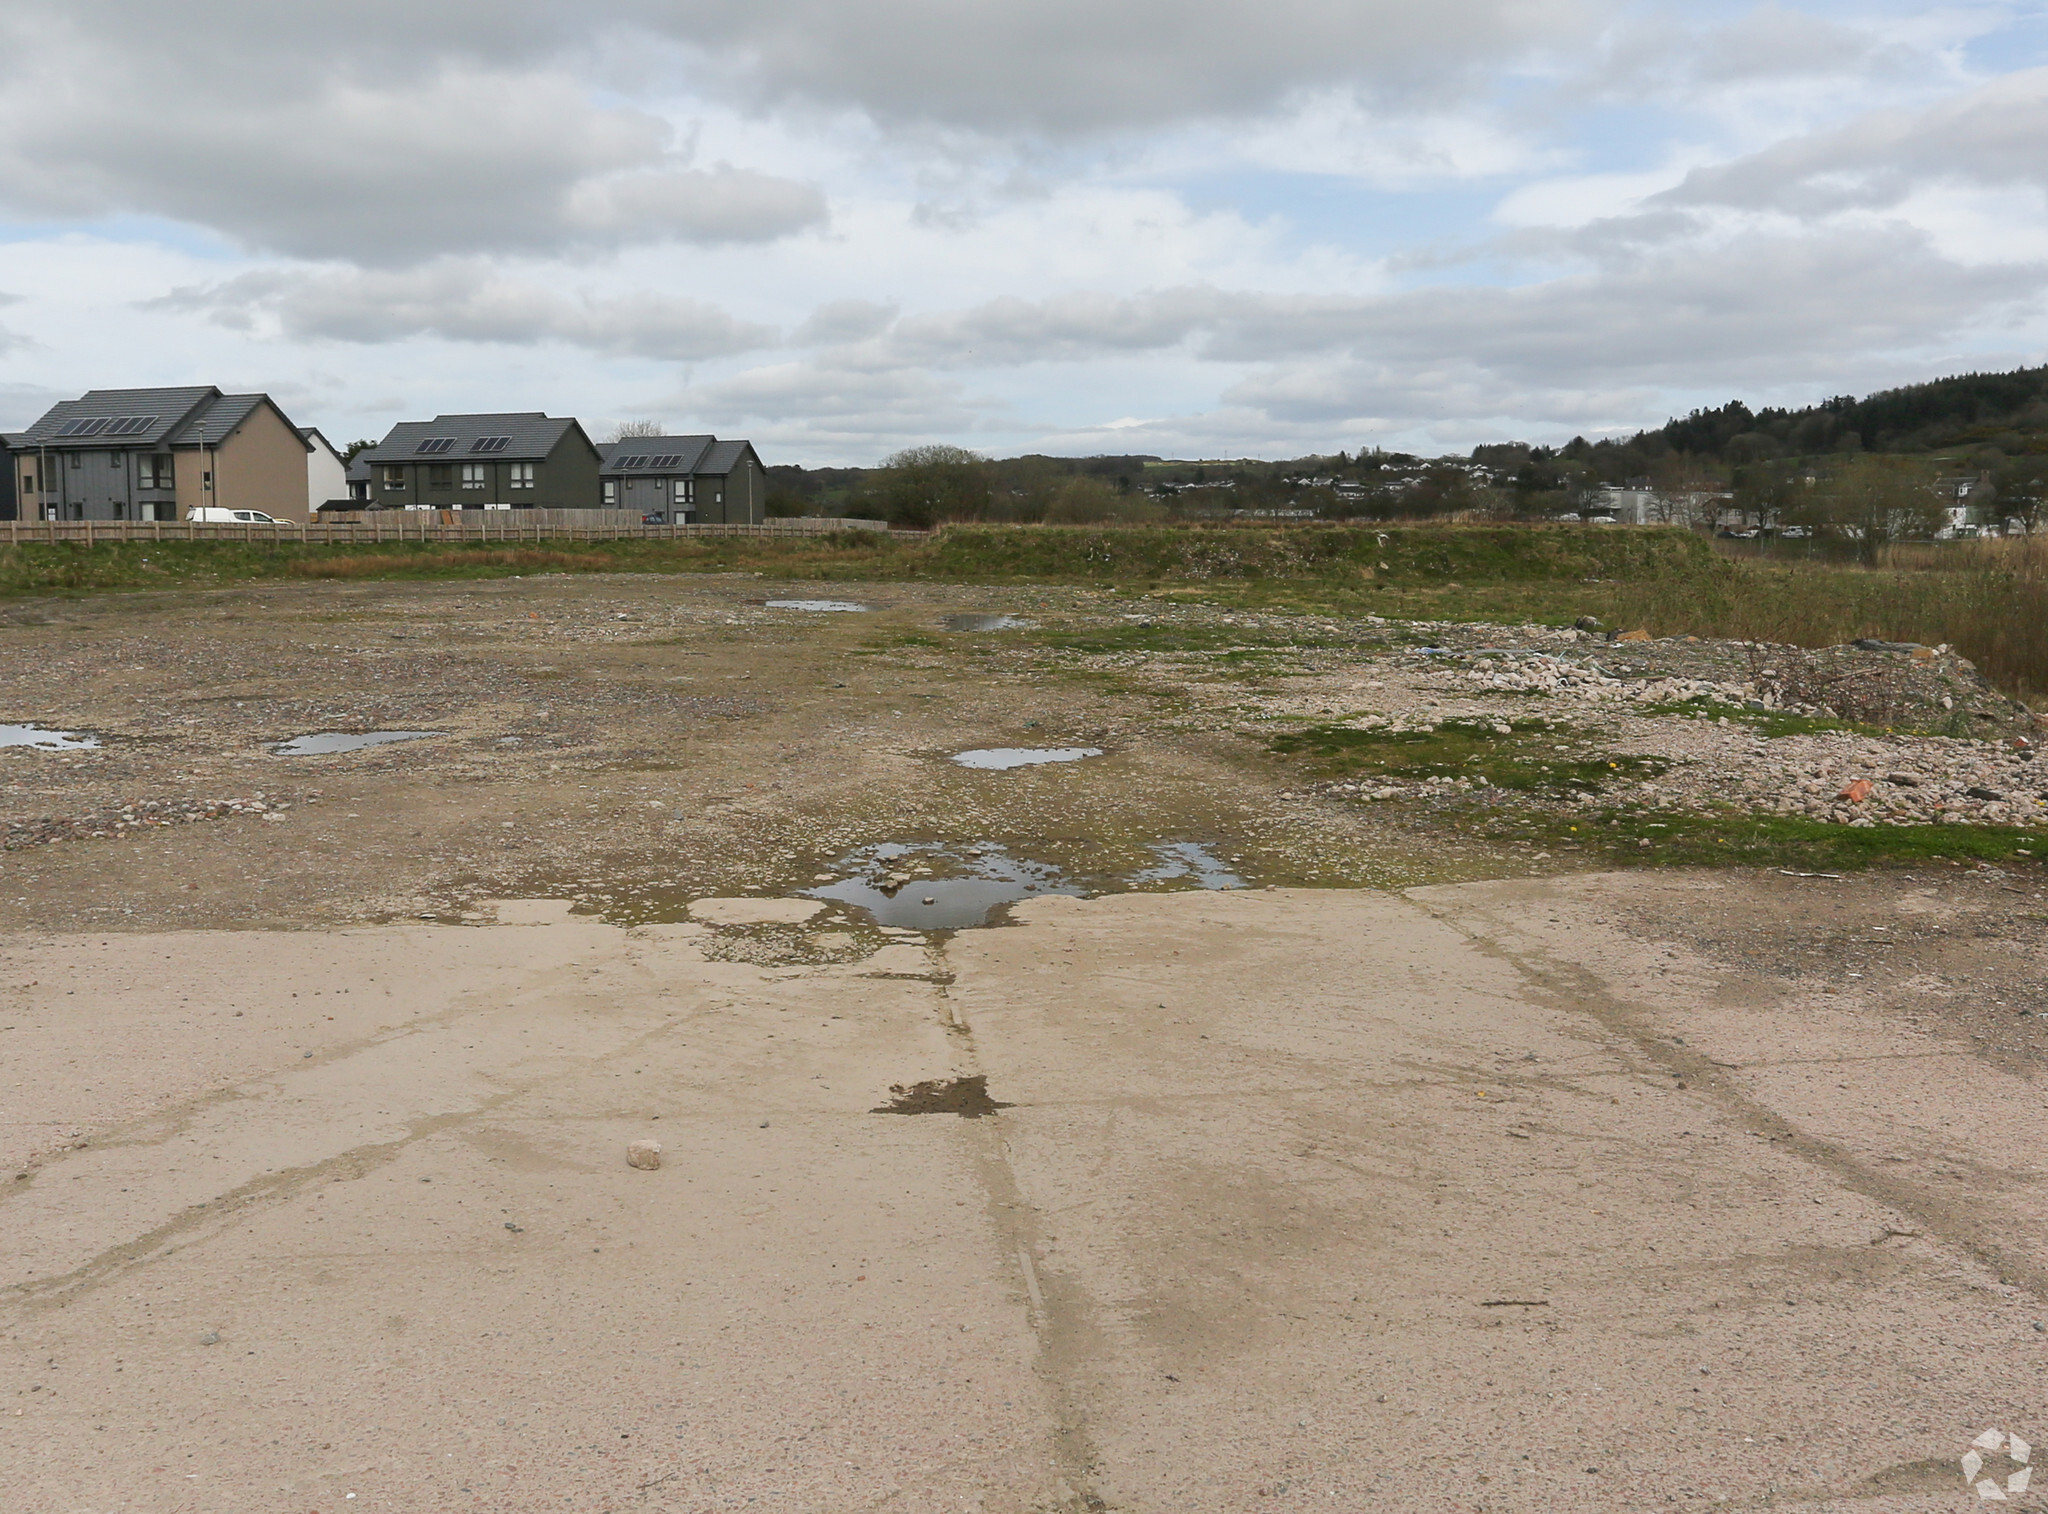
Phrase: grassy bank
(1989, 599)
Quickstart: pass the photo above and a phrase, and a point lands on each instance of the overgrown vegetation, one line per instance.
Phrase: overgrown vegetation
(1989, 599)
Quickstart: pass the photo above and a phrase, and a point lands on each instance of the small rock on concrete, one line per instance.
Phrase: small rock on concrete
(646, 1155)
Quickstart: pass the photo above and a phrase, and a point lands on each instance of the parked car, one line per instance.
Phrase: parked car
(654, 518)
(215, 515)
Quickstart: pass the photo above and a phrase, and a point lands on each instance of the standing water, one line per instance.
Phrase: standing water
(1002, 758)
(324, 743)
(45, 741)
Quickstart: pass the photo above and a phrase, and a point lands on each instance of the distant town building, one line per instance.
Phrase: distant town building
(158, 454)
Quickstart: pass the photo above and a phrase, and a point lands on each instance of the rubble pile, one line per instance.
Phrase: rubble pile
(140, 816)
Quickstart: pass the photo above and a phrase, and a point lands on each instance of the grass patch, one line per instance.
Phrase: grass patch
(1740, 839)
(1525, 758)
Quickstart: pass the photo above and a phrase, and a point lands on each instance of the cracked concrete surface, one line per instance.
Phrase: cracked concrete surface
(1485, 1196)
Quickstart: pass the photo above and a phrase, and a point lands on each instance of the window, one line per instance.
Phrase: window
(472, 475)
(522, 475)
(686, 491)
(611, 491)
(394, 476)
(28, 483)
(77, 459)
(118, 459)
(439, 476)
(154, 471)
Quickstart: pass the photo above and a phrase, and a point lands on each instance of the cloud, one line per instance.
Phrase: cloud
(304, 155)
(1061, 67)
(468, 301)
(1990, 135)
(840, 321)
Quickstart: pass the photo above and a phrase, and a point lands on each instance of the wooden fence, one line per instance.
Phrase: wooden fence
(424, 526)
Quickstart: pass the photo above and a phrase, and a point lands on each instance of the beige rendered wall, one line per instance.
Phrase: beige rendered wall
(261, 466)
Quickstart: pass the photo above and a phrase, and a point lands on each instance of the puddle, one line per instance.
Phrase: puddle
(46, 741)
(985, 623)
(966, 1097)
(1002, 758)
(934, 887)
(823, 606)
(1190, 860)
(323, 743)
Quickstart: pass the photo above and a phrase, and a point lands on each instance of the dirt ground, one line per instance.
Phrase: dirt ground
(1410, 1175)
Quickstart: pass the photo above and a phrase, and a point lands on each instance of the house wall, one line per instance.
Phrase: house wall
(326, 477)
(737, 498)
(568, 479)
(261, 465)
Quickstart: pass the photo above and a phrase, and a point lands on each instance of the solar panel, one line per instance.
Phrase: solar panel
(436, 444)
(490, 444)
(668, 461)
(632, 462)
(90, 426)
(131, 425)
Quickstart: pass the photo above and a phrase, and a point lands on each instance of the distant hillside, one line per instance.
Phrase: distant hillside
(2005, 410)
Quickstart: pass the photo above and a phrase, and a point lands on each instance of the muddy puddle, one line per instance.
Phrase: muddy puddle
(818, 606)
(986, 623)
(1188, 861)
(935, 886)
(46, 741)
(931, 886)
(325, 743)
(998, 759)
(966, 1097)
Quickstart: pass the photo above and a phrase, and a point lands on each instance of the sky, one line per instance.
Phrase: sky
(1197, 228)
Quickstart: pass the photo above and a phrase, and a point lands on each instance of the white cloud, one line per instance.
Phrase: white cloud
(468, 301)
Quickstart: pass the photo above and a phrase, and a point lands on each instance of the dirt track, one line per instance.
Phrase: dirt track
(1598, 1191)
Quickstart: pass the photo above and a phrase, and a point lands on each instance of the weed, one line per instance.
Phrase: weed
(1528, 757)
(1738, 838)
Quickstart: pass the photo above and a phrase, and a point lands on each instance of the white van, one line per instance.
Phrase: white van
(214, 515)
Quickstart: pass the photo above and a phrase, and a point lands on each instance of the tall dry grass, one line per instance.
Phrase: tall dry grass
(1988, 599)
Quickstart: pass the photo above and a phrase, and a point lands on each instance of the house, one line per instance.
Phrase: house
(159, 454)
(326, 473)
(514, 461)
(686, 479)
(361, 486)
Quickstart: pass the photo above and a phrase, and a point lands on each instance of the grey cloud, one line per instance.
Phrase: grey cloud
(1060, 66)
(1990, 135)
(1577, 351)
(302, 154)
(467, 301)
(1695, 306)
(842, 321)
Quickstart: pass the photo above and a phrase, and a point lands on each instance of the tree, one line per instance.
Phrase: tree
(361, 444)
(1873, 500)
(626, 431)
(921, 486)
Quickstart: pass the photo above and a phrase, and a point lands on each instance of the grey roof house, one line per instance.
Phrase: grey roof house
(158, 454)
(483, 462)
(686, 479)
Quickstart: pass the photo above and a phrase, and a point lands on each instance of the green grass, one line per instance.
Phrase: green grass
(1735, 838)
(1525, 759)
